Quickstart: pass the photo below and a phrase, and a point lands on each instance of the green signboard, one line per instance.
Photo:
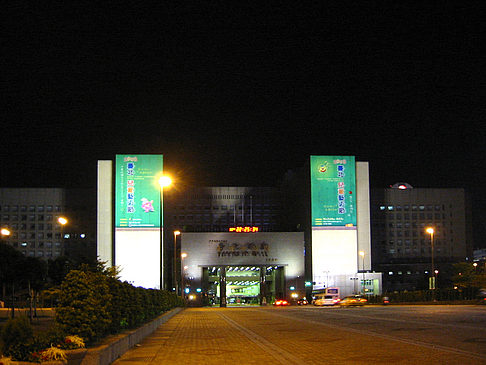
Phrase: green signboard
(333, 190)
(137, 191)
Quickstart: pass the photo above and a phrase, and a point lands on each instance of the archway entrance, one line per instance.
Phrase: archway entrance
(243, 285)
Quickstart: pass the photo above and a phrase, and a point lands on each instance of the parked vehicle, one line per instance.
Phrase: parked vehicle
(281, 303)
(353, 300)
(323, 299)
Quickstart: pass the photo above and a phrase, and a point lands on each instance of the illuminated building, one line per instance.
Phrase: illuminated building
(31, 216)
(401, 246)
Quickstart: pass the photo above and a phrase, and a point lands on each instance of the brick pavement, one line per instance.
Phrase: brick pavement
(197, 336)
(274, 336)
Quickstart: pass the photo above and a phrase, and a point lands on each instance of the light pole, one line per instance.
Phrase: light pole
(62, 221)
(164, 182)
(362, 254)
(431, 231)
(183, 268)
(174, 265)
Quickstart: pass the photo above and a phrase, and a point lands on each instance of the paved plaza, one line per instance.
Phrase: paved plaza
(268, 335)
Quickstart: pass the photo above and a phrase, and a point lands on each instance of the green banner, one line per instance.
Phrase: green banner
(333, 190)
(137, 191)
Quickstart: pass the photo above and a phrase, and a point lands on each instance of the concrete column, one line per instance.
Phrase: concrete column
(222, 286)
(263, 293)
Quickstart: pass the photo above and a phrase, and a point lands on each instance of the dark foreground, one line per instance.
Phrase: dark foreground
(310, 335)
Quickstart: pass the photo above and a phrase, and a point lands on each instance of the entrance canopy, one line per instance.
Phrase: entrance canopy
(243, 265)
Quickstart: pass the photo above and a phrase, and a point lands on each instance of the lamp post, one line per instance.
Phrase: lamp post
(164, 182)
(62, 221)
(431, 231)
(183, 268)
(362, 254)
(174, 265)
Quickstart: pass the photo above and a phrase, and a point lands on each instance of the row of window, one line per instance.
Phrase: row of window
(40, 244)
(25, 217)
(414, 242)
(227, 219)
(42, 253)
(228, 207)
(400, 225)
(412, 207)
(414, 250)
(30, 208)
(415, 216)
(31, 226)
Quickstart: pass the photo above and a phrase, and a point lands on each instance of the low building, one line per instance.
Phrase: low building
(401, 247)
(31, 215)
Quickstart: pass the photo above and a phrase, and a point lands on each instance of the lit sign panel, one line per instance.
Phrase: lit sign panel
(137, 191)
(333, 185)
(243, 229)
(138, 219)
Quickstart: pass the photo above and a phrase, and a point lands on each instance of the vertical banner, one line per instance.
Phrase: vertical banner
(138, 219)
(138, 202)
(333, 185)
(334, 218)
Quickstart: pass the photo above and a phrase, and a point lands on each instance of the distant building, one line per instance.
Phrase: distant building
(31, 215)
(402, 247)
(217, 209)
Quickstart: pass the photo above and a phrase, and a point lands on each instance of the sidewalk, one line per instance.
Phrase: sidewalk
(197, 336)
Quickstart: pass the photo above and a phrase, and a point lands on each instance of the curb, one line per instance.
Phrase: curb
(117, 345)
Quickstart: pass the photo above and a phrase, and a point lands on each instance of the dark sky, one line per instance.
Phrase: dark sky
(238, 93)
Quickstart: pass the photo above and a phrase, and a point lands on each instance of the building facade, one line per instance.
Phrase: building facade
(402, 249)
(31, 215)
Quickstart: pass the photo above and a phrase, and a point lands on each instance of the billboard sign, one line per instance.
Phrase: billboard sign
(138, 202)
(138, 219)
(333, 189)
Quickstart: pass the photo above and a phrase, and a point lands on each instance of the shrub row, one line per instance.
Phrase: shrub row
(95, 304)
(428, 295)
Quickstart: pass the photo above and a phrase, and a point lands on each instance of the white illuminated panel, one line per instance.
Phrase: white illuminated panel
(138, 256)
(105, 213)
(333, 252)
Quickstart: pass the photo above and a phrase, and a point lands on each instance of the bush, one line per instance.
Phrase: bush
(16, 330)
(93, 304)
(84, 304)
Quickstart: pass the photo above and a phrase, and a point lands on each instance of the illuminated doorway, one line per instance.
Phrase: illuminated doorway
(244, 285)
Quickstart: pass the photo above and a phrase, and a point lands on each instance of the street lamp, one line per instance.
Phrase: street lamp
(362, 254)
(5, 232)
(62, 221)
(431, 231)
(174, 277)
(164, 182)
(183, 289)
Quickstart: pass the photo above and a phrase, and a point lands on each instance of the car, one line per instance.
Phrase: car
(322, 300)
(281, 303)
(353, 300)
(302, 301)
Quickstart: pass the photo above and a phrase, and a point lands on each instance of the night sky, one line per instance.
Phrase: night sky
(239, 93)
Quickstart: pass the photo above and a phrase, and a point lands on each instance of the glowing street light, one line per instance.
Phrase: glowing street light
(62, 221)
(165, 181)
(431, 231)
(174, 278)
(5, 232)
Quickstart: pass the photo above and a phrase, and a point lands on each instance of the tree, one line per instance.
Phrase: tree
(466, 275)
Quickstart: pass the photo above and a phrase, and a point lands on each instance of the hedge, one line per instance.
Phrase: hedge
(93, 305)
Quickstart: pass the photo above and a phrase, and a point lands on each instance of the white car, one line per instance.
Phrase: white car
(322, 300)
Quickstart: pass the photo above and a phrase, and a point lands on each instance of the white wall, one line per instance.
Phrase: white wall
(105, 212)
